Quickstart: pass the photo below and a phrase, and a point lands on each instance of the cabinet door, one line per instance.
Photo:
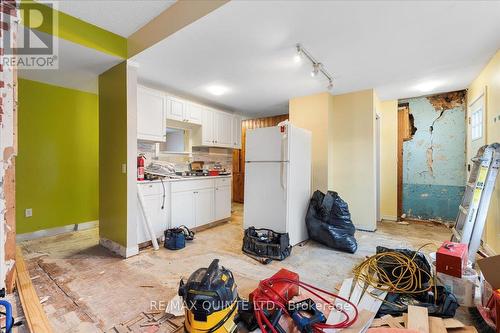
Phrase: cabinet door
(150, 115)
(183, 209)
(207, 129)
(204, 206)
(236, 132)
(223, 128)
(157, 216)
(175, 109)
(194, 113)
(222, 202)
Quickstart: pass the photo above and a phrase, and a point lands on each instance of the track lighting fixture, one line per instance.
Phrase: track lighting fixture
(317, 66)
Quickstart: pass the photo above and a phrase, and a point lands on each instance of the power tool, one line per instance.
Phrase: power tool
(211, 300)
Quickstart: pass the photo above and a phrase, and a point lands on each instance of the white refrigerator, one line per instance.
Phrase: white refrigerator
(278, 180)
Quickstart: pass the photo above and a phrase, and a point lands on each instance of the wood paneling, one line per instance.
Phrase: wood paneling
(239, 154)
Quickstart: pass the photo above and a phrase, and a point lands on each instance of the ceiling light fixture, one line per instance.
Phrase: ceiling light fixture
(217, 90)
(317, 66)
(428, 86)
(298, 55)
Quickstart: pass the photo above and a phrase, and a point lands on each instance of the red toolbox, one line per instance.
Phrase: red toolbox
(451, 259)
(285, 289)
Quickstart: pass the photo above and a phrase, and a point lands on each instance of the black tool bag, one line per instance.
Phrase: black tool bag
(266, 243)
(329, 222)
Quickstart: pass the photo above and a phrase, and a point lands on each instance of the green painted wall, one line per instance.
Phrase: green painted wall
(113, 153)
(57, 171)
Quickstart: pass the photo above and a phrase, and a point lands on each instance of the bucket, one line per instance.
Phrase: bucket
(463, 288)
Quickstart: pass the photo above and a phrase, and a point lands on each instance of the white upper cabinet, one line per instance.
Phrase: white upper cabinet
(194, 113)
(236, 131)
(207, 128)
(181, 110)
(223, 125)
(176, 109)
(150, 114)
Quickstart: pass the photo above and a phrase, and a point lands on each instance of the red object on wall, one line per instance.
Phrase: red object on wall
(141, 159)
(451, 259)
(284, 289)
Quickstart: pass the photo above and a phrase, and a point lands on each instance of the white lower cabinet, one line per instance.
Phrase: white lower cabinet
(222, 202)
(198, 202)
(156, 206)
(204, 206)
(183, 209)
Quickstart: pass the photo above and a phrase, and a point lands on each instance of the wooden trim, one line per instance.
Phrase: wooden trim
(400, 166)
(36, 318)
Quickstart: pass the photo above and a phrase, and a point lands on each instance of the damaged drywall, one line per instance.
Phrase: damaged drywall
(434, 159)
(8, 147)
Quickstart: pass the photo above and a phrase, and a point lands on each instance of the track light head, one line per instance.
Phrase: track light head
(298, 55)
(330, 85)
(315, 70)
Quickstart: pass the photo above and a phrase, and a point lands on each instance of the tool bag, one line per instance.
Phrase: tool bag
(266, 243)
(176, 238)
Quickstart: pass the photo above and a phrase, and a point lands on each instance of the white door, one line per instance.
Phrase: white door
(175, 109)
(224, 126)
(150, 115)
(207, 128)
(266, 144)
(265, 195)
(476, 126)
(236, 132)
(204, 206)
(222, 202)
(194, 113)
(183, 209)
(157, 216)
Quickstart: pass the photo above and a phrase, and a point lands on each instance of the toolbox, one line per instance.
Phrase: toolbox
(451, 259)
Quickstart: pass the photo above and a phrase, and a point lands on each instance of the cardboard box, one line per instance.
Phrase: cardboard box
(451, 259)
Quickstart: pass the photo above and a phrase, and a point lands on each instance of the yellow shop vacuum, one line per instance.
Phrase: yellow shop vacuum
(211, 300)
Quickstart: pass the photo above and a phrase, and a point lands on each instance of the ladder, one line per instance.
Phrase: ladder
(473, 210)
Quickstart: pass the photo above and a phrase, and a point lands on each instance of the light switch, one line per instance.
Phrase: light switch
(28, 212)
(124, 168)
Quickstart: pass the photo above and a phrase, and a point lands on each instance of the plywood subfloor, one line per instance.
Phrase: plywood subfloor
(90, 290)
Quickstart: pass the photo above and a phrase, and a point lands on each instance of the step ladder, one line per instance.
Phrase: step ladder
(473, 210)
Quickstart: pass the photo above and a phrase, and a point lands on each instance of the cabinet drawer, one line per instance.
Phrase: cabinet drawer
(155, 188)
(219, 182)
(192, 185)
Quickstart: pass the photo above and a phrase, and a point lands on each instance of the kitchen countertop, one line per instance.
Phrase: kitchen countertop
(182, 179)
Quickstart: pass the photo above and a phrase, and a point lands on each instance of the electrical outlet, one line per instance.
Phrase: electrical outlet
(28, 212)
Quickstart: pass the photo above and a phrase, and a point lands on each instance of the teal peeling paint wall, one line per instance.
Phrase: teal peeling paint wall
(434, 173)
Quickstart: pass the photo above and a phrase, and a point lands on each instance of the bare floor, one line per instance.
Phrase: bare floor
(86, 288)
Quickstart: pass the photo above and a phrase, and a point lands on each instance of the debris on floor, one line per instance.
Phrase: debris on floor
(151, 322)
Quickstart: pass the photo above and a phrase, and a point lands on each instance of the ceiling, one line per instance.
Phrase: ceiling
(123, 17)
(391, 46)
(79, 66)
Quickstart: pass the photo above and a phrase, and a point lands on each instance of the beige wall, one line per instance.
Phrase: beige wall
(353, 168)
(314, 113)
(388, 111)
(489, 78)
(343, 130)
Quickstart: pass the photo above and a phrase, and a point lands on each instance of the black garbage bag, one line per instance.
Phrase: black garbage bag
(444, 306)
(329, 222)
(393, 269)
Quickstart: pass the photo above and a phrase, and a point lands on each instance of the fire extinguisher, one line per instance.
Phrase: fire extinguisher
(141, 160)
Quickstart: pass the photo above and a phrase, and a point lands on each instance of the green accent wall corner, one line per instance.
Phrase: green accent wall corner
(57, 167)
(112, 154)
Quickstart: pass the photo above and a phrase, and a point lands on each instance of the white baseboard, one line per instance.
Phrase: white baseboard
(122, 251)
(389, 218)
(489, 250)
(366, 229)
(56, 231)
